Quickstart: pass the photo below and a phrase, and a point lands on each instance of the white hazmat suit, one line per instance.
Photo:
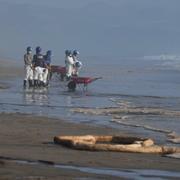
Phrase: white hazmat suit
(69, 65)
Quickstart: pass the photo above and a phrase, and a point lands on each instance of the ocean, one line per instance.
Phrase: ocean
(146, 91)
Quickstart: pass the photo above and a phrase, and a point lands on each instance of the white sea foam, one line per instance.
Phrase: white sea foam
(127, 110)
(175, 155)
(119, 121)
(174, 138)
(163, 57)
(168, 61)
(121, 103)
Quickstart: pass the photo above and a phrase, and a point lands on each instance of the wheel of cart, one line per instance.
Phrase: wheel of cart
(80, 81)
(71, 86)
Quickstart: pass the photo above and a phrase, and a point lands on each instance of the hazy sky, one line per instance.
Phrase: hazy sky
(94, 27)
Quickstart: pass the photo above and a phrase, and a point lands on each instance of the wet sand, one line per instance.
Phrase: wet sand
(28, 138)
(25, 137)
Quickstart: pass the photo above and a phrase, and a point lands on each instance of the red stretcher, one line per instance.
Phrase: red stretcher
(75, 80)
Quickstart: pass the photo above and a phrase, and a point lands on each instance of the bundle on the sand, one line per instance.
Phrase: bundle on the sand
(114, 143)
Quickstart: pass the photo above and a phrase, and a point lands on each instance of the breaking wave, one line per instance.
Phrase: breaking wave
(127, 110)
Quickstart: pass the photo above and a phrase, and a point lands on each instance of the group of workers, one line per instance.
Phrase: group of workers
(73, 65)
(38, 66)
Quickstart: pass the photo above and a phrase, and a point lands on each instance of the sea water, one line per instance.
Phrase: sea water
(139, 84)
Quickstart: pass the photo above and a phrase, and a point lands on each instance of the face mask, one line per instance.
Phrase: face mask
(29, 52)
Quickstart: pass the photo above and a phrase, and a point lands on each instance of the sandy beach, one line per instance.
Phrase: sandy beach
(27, 150)
(25, 137)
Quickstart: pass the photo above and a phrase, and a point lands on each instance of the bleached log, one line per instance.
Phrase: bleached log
(114, 143)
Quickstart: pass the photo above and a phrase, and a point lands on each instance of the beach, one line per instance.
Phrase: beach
(131, 50)
(29, 138)
(27, 150)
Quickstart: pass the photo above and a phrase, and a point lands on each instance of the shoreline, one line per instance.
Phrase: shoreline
(27, 137)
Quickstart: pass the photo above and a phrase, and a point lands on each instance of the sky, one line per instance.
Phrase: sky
(122, 28)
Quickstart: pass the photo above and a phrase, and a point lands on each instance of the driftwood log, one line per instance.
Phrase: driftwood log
(114, 143)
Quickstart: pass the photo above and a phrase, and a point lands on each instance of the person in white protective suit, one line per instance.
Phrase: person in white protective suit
(40, 73)
(28, 58)
(69, 62)
(77, 63)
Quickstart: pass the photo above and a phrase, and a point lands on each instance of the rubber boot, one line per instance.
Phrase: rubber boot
(41, 84)
(45, 84)
(68, 78)
(30, 83)
(24, 83)
(35, 83)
